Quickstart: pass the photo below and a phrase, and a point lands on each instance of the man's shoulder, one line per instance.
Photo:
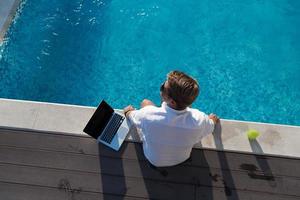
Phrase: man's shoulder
(197, 118)
(150, 109)
(196, 113)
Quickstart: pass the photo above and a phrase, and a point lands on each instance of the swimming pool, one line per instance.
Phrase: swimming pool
(245, 54)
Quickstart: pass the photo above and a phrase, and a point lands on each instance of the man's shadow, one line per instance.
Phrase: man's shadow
(227, 178)
(189, 173)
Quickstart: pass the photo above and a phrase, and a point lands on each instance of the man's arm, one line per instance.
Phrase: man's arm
(214, 117)
(144, 103)
(127, 110)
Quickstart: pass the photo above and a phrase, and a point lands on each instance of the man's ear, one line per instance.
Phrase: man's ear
(173, 103)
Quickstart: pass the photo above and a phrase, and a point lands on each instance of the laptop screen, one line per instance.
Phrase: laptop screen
(99, 120)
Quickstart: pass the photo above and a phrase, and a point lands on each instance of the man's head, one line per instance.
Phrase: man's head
(179, 90)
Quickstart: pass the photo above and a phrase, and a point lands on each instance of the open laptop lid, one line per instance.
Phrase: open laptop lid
(99, 120)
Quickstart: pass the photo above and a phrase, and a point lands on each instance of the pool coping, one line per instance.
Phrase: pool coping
(7, 16)
(229, 135)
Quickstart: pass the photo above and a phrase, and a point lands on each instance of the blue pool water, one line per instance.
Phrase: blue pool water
(244, 53)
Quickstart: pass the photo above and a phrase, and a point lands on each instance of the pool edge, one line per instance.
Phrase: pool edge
(230, 135)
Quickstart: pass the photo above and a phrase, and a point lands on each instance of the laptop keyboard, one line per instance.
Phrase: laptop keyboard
(112, 128)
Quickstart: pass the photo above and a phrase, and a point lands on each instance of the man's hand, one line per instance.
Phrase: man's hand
(214, 117)
(128, 109)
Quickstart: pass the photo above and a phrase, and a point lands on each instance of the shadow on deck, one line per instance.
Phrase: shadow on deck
(35, 165)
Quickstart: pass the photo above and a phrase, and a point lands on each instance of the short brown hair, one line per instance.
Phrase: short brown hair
(183, 89)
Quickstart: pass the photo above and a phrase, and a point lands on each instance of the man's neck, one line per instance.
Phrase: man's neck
(174, 107)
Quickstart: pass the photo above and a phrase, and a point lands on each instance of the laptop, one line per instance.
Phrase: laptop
(107, 126)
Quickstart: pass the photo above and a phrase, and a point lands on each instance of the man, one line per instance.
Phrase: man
(170, 131)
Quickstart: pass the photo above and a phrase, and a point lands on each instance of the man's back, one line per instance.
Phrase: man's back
(169, 132)
(168, 135)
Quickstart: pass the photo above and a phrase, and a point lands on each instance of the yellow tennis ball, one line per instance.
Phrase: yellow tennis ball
(252, 134)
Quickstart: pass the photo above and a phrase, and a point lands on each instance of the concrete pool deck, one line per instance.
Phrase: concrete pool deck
(8, 10)
(229, 135)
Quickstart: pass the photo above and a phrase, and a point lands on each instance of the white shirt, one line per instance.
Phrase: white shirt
(169, 135)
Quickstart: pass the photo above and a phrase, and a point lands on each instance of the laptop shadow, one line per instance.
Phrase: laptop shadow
(113, 179)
